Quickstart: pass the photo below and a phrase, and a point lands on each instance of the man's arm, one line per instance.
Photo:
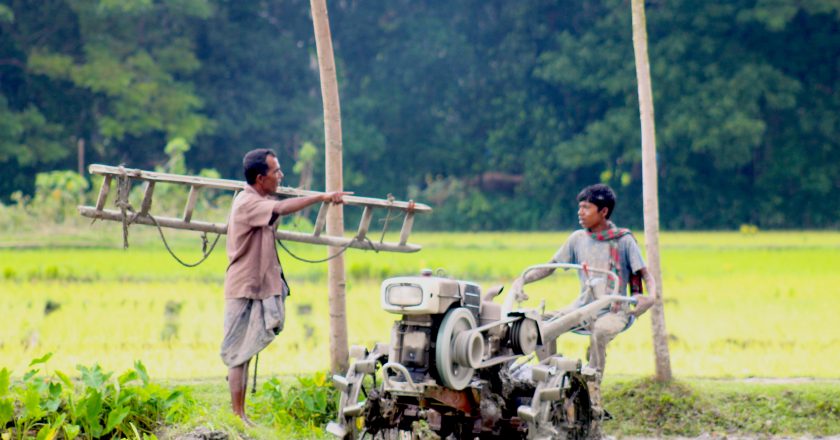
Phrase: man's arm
(289, 206)
(644, 302)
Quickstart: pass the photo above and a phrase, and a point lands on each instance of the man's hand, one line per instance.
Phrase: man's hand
(643, 302)
(336, 197)
(516, 289)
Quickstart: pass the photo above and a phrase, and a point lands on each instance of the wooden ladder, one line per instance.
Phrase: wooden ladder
(126, 176)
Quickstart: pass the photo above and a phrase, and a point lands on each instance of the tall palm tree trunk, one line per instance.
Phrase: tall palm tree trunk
(339, 355)
(649, 184)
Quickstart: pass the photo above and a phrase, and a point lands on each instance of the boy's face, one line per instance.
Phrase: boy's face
(590, 217)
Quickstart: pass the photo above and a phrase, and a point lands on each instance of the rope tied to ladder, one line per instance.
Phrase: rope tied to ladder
(358, 238)
(125, 207)
(123, 188)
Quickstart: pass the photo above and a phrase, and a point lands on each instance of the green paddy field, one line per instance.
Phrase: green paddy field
(737, 305)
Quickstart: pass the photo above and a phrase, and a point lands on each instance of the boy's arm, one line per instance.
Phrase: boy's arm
(563, 255)
(644, 302)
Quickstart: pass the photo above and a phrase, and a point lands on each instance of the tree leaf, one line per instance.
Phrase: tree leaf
(92, 412)
(71, 431)
(65, 379)
(7, 411)
(115, 418)
(141, 370)
(5, 382)
(93, 377)
(29, 374)
(177, 394)
(128, 376)
(6, 14)
(31, 404)
(41, 360)
(50, 430)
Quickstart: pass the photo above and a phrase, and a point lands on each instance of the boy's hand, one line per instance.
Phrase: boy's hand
(643, 302)
(517, 291)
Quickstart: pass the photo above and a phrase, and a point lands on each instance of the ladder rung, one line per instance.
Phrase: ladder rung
(364, 224)
(322, 219)
(103, 192)
(406, 227)
(193, 197)
(147, 197)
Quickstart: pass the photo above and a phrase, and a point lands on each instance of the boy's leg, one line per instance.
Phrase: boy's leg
(604, 330)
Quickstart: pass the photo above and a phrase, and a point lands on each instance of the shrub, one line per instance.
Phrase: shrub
(310, 398)
(97, 405)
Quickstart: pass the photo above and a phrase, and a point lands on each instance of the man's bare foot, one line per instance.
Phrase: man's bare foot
(246, 420)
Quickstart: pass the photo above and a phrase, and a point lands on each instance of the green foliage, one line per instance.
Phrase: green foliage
(57, 194)
(747, 124)
(96, 406)
(311, 399)
(6, 14)
(28, 136)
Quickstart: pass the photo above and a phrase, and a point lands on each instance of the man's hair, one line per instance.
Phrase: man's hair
(255, 163)
(599, 195)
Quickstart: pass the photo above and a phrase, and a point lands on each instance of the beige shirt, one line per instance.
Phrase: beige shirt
(254, 269)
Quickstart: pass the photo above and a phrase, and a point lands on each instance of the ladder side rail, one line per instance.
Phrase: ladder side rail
(238, 185)
(344, 241)
(164, 222)
(221, 228)
(232, 185)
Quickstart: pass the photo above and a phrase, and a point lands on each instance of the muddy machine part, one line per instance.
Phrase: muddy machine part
(460, 366)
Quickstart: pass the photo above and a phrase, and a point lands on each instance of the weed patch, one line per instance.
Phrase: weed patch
(309, 402)
(98, 404)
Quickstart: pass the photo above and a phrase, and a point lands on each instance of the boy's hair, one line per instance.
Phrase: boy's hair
(599, 195)
(255, 163)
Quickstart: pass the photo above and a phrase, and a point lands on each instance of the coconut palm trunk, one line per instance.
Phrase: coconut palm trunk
(649, 184)
(339, 356)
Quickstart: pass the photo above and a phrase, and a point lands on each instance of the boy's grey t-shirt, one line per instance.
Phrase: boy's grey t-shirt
(581, 248)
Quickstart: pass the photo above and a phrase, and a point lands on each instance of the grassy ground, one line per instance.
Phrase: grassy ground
(640, 408)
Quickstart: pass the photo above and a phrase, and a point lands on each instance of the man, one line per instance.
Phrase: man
(600, 244)
(255, 287)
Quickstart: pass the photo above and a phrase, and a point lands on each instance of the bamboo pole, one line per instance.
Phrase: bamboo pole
(339, 353)
(650, 189)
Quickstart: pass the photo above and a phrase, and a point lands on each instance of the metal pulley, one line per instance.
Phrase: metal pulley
(453, 355)
(524, 335)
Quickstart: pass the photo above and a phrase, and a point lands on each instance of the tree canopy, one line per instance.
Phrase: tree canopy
(496, 113)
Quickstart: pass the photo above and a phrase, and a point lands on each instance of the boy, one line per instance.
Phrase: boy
(600, 244)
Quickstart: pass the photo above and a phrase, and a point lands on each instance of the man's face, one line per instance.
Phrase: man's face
(268, 182)
(589, 216)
